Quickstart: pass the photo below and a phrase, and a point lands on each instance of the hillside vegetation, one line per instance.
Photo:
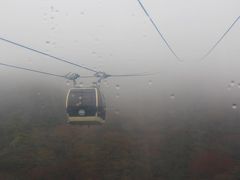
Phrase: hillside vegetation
(36, 143)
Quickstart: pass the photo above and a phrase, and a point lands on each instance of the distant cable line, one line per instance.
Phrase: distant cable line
(159, 32)
(221, 38)
(67, 76)
(31, 70)
(46, 54)
(74, 76)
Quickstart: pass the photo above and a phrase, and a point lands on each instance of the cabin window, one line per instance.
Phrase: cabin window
(82, 102)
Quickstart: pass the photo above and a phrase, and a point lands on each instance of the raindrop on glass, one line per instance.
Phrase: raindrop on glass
(97, 40)
(234, 106)
(117, 87)
(82, 13)
(52, 8)
(150, 82)
(232, 84)
(79, 103)
(47, 42)
(81, 112)
(117, 95)
(68, 83)
(81, 84)
(80, 97)
(172, 96)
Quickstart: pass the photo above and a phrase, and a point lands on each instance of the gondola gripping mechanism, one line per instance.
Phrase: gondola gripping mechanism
(99, 75)
(72, 77)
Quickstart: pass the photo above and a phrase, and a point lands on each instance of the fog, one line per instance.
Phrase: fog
(117, 37)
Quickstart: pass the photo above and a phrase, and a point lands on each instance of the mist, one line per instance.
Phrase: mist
(179, 123)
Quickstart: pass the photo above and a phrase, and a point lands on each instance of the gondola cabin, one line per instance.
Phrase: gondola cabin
(85, 106)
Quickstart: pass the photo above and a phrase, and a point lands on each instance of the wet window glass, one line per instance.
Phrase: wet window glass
(120, 90)
(82, 102)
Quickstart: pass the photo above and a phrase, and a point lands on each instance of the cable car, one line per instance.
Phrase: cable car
(85, 106)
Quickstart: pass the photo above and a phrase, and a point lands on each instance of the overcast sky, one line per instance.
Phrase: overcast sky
(117, 37)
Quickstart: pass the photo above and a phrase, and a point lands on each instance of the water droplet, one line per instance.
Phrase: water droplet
(117, 87)
(68, 83)
(97, 40)
(172, 96)
(232, 84)
(80, 97)
(94, 84)
(81, 84)
(47, 42)
(81, 112)
(82, 13)
(150, 82)
(79, 103)
(52, 8)
(238, 85)
(234, 106)
(117, 95)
